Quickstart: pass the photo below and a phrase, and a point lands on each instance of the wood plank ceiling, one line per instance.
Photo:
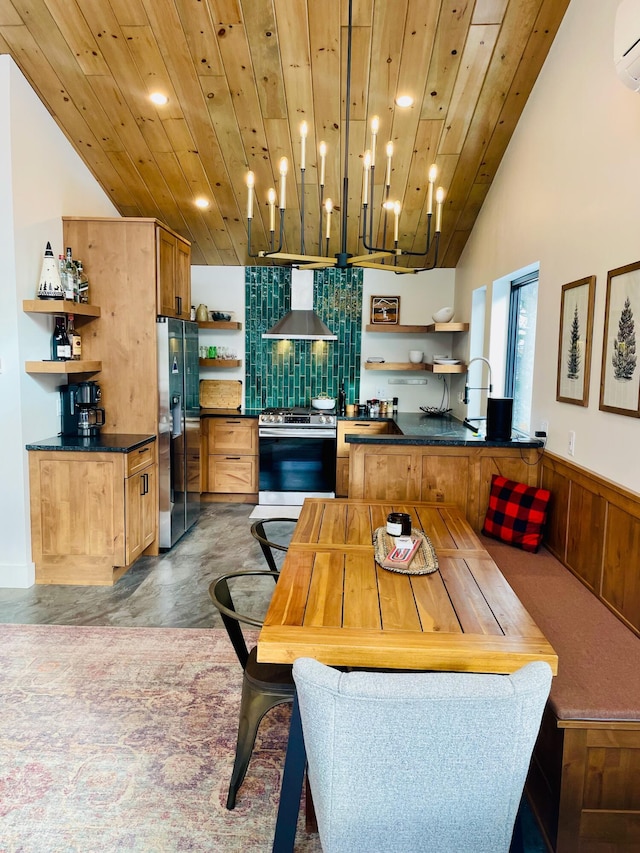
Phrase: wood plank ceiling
(241, 76)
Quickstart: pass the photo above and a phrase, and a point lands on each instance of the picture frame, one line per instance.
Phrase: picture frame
(385, 310)
(574, 342)
(620, 373)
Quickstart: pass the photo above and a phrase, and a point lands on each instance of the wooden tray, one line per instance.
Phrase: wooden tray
(220, 393)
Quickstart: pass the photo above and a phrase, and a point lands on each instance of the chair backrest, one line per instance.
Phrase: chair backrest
(268, 546)
(220, 595)
(434, 761)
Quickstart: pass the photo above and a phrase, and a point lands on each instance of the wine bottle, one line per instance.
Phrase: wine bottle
(75, 341)
(83, 283)
(60, 348)
(342, 400)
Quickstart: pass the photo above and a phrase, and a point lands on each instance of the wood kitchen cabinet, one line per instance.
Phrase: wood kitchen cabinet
(438, 472)
(92, 513)
(230, 459)
(137, 268)
(173, 283)
(342, 451)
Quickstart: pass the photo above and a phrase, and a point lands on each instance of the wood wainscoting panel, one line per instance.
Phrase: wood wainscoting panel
(621, 577)
(555, 536)
(601, 541)
(585, 535)
(446, 479)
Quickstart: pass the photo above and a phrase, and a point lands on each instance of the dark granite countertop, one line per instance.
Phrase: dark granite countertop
(419, 429)
(229, 413)
(105, 443)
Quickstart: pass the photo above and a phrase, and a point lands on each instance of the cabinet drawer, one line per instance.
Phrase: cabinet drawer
(233, 436)
(355, 428)
(233, 474)
(140, 458)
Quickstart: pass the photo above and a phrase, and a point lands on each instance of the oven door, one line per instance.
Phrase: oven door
(295, 464)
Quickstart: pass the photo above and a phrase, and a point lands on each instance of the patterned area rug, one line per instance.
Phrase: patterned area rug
(123, 739)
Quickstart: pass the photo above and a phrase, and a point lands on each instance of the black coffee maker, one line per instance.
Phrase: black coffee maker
(81, 414)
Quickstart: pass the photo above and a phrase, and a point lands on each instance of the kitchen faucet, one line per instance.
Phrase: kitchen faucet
(488, 388)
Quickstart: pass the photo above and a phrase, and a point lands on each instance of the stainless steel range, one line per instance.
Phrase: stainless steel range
(297, 455)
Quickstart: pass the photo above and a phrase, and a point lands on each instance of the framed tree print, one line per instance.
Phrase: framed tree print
(620, 376)
(574, 345)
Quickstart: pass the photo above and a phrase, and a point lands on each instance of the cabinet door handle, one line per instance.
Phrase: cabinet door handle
(144, 480)
(178, 304)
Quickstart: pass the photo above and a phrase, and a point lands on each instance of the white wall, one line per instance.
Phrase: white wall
(41, 180)
(566, 195)
(420, 295)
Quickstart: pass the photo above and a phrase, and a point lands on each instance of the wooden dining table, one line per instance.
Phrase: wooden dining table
(333, 602)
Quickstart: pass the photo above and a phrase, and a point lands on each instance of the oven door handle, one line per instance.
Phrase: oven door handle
(292, 432)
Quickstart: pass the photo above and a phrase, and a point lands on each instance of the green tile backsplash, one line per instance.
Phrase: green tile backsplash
(290, 373)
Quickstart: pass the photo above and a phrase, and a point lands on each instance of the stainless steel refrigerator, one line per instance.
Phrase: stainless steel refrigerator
(178, 428)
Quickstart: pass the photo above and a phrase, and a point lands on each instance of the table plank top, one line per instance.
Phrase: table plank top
(335, 603)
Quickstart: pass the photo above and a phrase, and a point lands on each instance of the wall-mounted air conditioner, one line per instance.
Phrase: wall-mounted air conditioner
(626, 43)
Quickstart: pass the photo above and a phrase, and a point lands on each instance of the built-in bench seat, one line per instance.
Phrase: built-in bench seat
(584, 782)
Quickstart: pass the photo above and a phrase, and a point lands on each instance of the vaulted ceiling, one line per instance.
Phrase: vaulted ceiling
(241, 76)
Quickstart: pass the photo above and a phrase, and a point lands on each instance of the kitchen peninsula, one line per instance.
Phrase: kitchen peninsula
(437, 459)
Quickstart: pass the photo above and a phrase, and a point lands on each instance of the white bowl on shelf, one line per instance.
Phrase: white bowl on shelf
(416, 356)
(444, 315)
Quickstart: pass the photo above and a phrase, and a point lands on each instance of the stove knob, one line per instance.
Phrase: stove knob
(279, 419)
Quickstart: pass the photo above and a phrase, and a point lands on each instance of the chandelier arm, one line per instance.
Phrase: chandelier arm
(434, 262)
(371, 190)
(265, 254)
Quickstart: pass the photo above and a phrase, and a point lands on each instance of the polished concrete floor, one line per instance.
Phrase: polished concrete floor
(169, 591)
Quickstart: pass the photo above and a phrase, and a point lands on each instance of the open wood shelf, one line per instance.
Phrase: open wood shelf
(407, 365)
(393, 365)
(60, 306)
(417, 330)
(63, 366)
(220, 324)
(220, 362)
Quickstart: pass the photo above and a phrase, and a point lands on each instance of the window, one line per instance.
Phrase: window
(521, 341)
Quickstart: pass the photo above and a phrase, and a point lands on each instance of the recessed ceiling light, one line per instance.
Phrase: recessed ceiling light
(158, 98)
(404, 101)
(202, 202)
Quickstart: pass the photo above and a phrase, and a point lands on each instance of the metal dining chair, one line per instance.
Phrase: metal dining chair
(264, 685)
(267, 545)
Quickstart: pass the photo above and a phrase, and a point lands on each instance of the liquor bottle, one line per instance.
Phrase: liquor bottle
(60, 348)
(83, 283)
(70, 282)
(75, 341)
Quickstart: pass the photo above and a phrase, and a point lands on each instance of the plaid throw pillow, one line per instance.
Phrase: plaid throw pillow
(516, 513)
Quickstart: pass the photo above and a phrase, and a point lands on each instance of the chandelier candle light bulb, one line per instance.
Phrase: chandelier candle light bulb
(439, 200)
(271, 200)
(375, 125)
(328, 206)
(433, 174)
(323, 157)
(250, 184)
(303, 143)
(365, 176)
(387, 179)
(396, 220)
(284, 167)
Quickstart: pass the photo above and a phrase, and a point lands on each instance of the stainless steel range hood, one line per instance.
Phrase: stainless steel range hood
(301, 323)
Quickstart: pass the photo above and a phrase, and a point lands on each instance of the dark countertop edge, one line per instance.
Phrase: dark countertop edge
(450, 441)
(230, 413)
(106, 443)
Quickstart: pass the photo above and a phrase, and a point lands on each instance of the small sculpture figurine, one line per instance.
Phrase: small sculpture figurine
(50, 286)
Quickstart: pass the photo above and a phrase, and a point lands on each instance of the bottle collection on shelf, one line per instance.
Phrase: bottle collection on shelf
(64, 278)
(224, 353)
(66, 343)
